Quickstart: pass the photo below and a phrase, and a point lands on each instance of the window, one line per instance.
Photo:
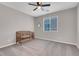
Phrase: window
(50, 24)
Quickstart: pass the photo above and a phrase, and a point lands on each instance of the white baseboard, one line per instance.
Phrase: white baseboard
(43, 39)
(56, 41)
(7, 45)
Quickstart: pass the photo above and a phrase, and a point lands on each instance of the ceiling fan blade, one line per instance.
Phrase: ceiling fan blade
(35, 9)
(45, 5)
(32, 4)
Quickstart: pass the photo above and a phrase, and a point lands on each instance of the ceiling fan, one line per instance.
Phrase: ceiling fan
(39, 5)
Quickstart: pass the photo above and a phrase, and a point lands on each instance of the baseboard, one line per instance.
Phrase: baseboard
(43, 39)
(56, 41)
(7, 45)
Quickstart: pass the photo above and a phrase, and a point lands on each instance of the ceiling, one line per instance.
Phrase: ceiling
(28, 9)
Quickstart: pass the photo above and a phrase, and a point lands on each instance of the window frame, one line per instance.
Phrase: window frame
(50, 22)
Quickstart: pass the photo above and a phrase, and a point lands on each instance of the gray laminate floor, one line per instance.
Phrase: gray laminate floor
(40, 47)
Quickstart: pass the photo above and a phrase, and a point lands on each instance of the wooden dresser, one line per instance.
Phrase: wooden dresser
(24, 36)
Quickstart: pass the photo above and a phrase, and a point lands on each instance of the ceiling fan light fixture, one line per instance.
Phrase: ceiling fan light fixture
(39, 7)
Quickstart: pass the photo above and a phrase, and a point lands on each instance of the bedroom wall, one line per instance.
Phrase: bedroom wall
(12, 21)
(78, 25)
(67, 27)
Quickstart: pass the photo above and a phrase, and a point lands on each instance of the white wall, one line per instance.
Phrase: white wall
(78, 25)
(12, 21)
(67, 27)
